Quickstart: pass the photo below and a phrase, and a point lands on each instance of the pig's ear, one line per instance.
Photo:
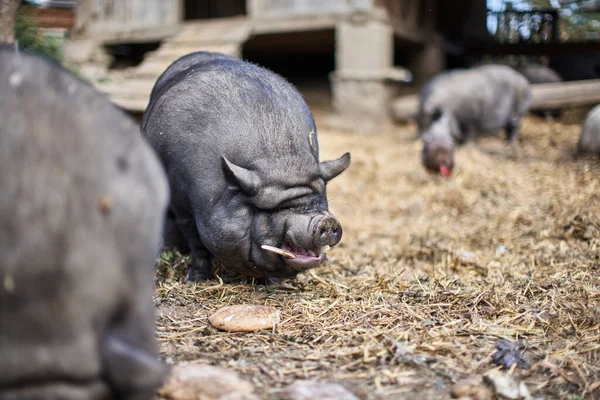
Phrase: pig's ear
(331, 169)
(241, 177)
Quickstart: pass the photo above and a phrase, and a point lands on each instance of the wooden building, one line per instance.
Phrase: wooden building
(375, 42)
(376, 46)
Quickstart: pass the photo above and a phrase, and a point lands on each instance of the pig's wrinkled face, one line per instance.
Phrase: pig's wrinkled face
(277, 224)
(439, 142)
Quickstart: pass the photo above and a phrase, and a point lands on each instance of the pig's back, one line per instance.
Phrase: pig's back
(536, 73)
(589, 141)
(227, 107)
(484, 97)
(181, 65)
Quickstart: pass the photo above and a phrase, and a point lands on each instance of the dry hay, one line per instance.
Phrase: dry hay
(429, 275)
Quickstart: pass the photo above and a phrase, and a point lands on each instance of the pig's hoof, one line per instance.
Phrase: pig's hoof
(197, 275)
(267, 280)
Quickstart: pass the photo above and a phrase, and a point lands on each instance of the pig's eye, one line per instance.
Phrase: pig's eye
(296, 203)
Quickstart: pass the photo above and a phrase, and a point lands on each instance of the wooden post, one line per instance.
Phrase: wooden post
(8, 17)
(427, 61)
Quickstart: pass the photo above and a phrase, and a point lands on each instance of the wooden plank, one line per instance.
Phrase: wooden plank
(133, 35)
(561, 94)
(545, 96)
(230, 30)
(128, 104)
(131, 89)
(166, 53)
(278, 8)
(295, 24)
(50, 17)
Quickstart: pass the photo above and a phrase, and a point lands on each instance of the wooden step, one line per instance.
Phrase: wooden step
(173, 52)
(223, 30)
(130, 89)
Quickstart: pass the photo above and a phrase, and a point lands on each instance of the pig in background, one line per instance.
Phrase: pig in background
(589, 141)
(457, 105)
(240, 148)
(83, 198)
(538, 73)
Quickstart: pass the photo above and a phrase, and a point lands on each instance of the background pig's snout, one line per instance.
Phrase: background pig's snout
(328, 232)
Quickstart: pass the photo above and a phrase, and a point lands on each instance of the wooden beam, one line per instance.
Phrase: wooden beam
(132, 35)
(545, 96)
(298, 23)
(565, 94)
(50, 17)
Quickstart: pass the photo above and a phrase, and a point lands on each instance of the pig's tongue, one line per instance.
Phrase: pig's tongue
(299, 253)
(445, 171)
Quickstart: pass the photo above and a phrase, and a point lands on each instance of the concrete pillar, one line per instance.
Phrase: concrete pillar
(364, 62)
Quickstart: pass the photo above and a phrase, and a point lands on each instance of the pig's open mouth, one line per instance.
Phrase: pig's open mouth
(304, 259)
(297, 258)
(442, 170)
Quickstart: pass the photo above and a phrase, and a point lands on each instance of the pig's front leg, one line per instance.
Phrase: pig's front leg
(467, 134)
(201, 267)
(512, 130)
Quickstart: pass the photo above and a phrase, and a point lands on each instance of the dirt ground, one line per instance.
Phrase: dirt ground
(429, 275)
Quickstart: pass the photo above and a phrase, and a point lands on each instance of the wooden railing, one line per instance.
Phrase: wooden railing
(278, 8)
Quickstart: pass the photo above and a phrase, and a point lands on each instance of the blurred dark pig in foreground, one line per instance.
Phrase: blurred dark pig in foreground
(457, 105)
(240, 148)
(83, 198)
(538, 73)
(589, 142)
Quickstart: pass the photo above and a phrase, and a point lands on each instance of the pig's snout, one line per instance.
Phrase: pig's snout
(327, 231)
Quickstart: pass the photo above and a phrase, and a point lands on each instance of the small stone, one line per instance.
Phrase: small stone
(589, 233)
(563, 248)
(506, 386)
(507, 354)
(15, 79)
(245, 318)
(500, 250)
(524, 392)
(309, 390)
(473, 388)
(205, 382)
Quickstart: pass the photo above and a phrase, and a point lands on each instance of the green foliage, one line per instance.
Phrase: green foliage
(30, 38)
(171, 266)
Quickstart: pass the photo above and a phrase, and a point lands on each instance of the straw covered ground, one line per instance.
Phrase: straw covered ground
(430, 274)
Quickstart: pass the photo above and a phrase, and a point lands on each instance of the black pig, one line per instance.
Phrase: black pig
(457, 105)
(240, 149)
(538, 73)
(83, 198)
